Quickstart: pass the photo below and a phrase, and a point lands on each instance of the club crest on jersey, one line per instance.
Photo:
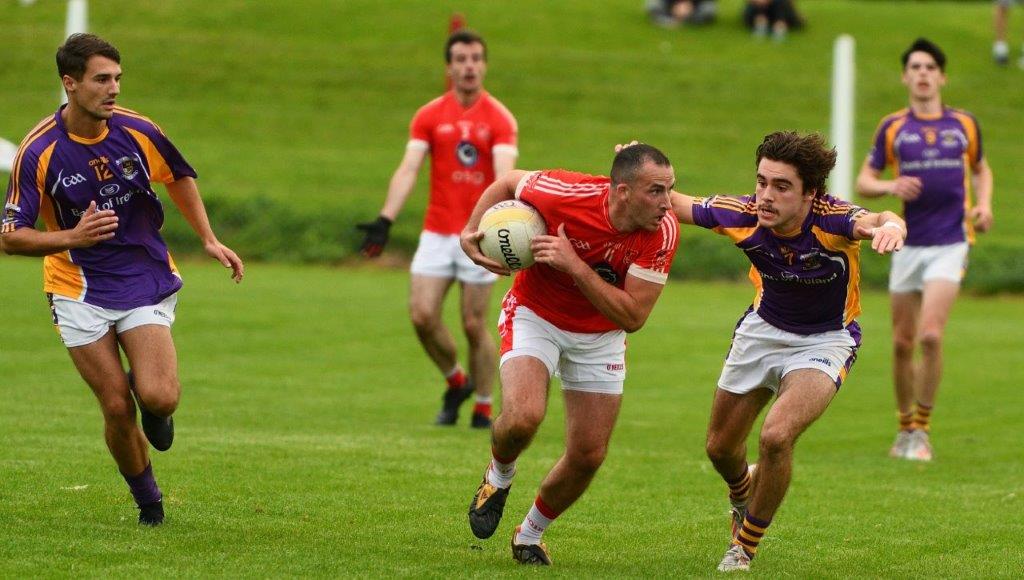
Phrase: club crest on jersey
(128, 167)
(606, 272)
(467, 153)
(930, 135)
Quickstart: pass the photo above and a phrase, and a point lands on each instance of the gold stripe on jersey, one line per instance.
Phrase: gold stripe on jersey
(25, 144)
(971, 128)
(159, 171)
(851, 249)
(755, 279)
(968, 204)
(43, 166)
(737, 235)
(733, 204)
(136, 115)
(890, 141)
(90, 140)
(60, 275)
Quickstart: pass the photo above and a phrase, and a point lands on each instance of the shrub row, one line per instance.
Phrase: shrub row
(264, 229)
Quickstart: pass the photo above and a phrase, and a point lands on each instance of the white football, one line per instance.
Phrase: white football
(508, 228)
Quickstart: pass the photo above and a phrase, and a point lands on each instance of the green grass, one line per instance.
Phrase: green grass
(305, 448)
(299, 110)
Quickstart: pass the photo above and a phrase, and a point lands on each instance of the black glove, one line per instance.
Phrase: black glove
(376, 236)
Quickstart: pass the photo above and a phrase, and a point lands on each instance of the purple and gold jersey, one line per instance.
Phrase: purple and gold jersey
(55, 177)
(941, 151)
(805, 284)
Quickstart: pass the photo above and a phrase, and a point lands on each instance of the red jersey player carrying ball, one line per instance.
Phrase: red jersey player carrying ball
(471, 139)
(597, 275)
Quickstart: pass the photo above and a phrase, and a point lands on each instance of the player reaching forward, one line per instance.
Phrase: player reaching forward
(599, 271)
(799, 338)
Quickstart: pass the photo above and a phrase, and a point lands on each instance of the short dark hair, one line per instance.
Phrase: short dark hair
(925, 45)
(809, 154)
(628, 162)
(73, 55)
(463, 36)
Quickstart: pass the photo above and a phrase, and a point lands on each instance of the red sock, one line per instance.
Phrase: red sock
(482, 409)
(456, 380)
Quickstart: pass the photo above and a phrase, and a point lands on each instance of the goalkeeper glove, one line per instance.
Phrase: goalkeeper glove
(376, 236)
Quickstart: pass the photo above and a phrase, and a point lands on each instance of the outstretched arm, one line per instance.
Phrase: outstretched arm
(185, 194)
(886, 230)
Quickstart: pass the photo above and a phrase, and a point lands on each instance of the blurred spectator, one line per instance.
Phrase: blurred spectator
(777, 17)
(1000, 49)
(672, 13)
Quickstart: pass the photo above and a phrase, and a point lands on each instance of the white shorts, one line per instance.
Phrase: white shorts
(589, 362)
(1008, 2)
(441, 256)
(80, 324)
(761, 355)
(914, 265)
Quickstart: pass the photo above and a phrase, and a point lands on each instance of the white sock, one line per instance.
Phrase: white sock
(500, 474)
(451, 373)
(533, 526)
(485, 400)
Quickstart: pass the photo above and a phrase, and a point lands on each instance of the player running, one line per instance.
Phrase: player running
(799, 338)
(88, 172)
(597, 275)
(936, 157)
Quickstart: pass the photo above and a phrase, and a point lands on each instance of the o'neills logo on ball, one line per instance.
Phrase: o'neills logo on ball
(505, 244)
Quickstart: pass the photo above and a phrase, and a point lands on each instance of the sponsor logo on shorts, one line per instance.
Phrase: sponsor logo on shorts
(162, 314)
(616, 366)
(822, 360)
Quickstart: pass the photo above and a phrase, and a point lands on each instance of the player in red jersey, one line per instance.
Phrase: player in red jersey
(471, 139)
(597, 275)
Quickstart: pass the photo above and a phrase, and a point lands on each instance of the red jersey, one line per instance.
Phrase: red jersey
(462, 142)
(580, 201)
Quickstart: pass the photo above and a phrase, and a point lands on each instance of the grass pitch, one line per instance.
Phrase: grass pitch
(305, 447)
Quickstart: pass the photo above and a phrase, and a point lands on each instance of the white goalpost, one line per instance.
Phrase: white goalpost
(77, 21)
(843, 73)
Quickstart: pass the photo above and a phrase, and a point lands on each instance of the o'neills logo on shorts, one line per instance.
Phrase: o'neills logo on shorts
(616, 367)
(505, 244)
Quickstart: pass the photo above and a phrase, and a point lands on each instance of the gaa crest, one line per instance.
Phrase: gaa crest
(128, 166)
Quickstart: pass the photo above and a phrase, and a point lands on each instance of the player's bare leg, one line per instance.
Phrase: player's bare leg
(483, 352)
(803, 397)
(99, 364)
(589, 421)
(426, 305)
(906, 307)
(936, 304)
(732, 417)
(426, 301)
(524, 398)
(154, 363)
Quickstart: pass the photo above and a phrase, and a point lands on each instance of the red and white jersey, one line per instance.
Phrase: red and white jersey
(580, 201)
(462, 142)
